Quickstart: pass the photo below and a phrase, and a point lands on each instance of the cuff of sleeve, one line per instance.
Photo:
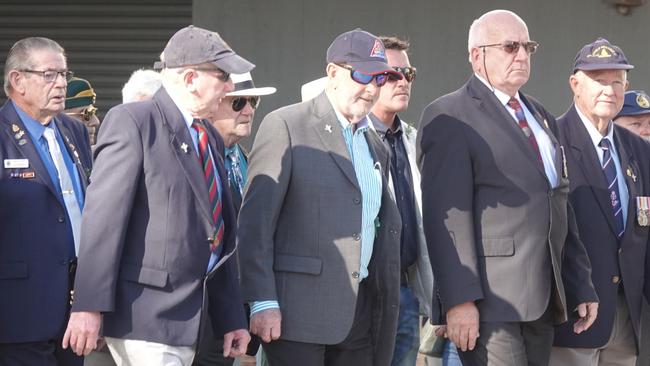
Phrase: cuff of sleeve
(257, 306)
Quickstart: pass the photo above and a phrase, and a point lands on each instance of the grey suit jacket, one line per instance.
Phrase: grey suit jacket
(299, 229)
(146, 229)
(498, 233)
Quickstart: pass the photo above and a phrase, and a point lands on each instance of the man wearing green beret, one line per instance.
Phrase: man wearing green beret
(80, 104)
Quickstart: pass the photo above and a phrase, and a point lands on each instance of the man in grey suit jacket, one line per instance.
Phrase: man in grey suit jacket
(502, 239)
(159, 190)
(319, 230)
(416, 278)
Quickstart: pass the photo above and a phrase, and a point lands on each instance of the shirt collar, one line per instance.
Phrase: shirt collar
(595, 136)
(234, 149)
(503, 97)
(187, 116)
(35, 128)
(382, 129)
(362, 125)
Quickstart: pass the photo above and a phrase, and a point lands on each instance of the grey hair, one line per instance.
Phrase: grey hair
(142, 84)
(479, 30)
(19, 57)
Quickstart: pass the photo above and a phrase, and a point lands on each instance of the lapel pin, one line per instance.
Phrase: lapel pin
(184, 147)
(22, 142)
(631, 174)
(14, 128)
(19, 134)
(546, 124)
(328, 128)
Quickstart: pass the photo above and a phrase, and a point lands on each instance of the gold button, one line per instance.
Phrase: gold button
(616, 279)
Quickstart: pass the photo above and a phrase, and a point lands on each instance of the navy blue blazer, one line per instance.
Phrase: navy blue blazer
(36, 242)
(612, 262)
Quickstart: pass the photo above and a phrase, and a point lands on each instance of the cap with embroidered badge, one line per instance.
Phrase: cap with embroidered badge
(79, 93)
(193, 46)
(362, 50)
(636, 102)
(600, 55)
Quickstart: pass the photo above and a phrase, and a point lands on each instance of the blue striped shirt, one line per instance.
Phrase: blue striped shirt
(369, 178)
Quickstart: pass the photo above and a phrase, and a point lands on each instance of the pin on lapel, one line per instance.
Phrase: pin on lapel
(22, 142)
(328, 128)
(19, 134)
(14, 128)
(631, 174)
(546, 123)
(184, 147)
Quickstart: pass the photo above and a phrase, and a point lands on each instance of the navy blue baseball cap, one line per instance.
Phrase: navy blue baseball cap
(193, 46)
(601, 55)
(362, 50)
(636, 102)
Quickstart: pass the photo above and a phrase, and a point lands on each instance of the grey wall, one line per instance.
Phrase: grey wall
(287, 39)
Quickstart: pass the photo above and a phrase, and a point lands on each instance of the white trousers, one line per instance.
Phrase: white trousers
(128, 352)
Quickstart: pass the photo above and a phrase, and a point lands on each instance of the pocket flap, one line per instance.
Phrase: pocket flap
(13, 270)
(294, 263)
(498, 247)
(143, 275)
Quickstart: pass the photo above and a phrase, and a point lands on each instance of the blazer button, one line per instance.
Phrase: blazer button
(393, 231)
(616, 279)
(550, 193)
(356, 200)
(355, 274)
(60, 219)
(356, 237)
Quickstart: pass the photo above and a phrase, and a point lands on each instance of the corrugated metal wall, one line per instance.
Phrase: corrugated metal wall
(105, 40)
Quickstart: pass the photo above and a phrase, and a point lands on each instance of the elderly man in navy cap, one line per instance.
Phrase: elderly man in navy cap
(635, 115)
(609, 171)
(319, 230)
(158, 232)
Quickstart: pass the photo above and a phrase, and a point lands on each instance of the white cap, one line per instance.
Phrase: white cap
(244, 86)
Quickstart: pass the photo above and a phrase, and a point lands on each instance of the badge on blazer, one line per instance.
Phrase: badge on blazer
(328, 128)
(643, 210)
(14, 128)
(23, 175)
(22, 142)
(631, 174)
(184, 147)
(16, 163)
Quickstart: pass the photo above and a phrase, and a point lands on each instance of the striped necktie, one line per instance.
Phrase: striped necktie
(214, 184)
(609, 169)
(523, 124)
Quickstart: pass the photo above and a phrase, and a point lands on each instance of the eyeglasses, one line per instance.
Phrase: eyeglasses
(409, 73)
(240, 102)
(50, 75)
(222, 76)
(365, 79)
(513, 47)
(87, 113)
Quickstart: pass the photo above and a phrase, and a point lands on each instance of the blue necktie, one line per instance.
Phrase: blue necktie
(235, 175)
(609, 169)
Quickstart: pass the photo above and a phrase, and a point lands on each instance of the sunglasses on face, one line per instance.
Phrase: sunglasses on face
(365, 79)
(513, 47)
(86, 114)
(408, 72)
(240, 102)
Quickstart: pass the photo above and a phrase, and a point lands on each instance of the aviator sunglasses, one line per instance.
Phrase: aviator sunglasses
(365, 79)
(240, 102)
(409, 73)
(513, 47)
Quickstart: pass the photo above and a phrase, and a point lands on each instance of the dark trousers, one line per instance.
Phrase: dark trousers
(47, 353)
(210, 351)
(512, 343)
(356, 349)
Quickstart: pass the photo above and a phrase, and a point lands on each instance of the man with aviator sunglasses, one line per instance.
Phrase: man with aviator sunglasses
(318, 229)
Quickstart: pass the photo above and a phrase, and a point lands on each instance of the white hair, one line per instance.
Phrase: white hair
(481, 27)
(142, 85)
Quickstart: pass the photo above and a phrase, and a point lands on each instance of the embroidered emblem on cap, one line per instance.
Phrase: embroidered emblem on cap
(602, 52)
(378, 50)
(642, 101)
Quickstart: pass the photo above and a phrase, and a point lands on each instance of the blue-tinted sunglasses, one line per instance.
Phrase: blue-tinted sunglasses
(365, 79)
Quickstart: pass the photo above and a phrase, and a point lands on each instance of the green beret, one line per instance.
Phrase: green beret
(80, 93)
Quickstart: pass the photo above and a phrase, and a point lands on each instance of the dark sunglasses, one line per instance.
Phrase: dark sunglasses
(222, 76)
(365, 79)
(87, 113)
(240, 102)
(513, 47)
(409, 73)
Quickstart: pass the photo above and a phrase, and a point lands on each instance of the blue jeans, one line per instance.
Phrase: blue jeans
(407, 341)
(450, 355)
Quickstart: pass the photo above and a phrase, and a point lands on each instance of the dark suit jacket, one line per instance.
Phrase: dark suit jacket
(36, 242)
(144, 252)
(611, 259)
(299, 229)
(497, 231)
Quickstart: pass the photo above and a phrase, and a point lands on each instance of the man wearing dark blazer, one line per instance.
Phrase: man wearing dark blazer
(158, 235)
(610, 192)
(318, 229)
(46, 162)
(502, 241)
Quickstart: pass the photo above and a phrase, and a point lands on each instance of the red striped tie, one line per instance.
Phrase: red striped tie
(523, 124)
(214, 185)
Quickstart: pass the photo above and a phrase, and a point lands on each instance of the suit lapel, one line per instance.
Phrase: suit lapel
(328, 128)
(27, 149)
(583, 150)
(630, 171)
(183, 148)
(72, 151)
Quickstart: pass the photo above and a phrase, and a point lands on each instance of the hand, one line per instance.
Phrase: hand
(587, 311)
(267, 324)
(82, 332)
(462, 325)
(235, 343)
(441, 331)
